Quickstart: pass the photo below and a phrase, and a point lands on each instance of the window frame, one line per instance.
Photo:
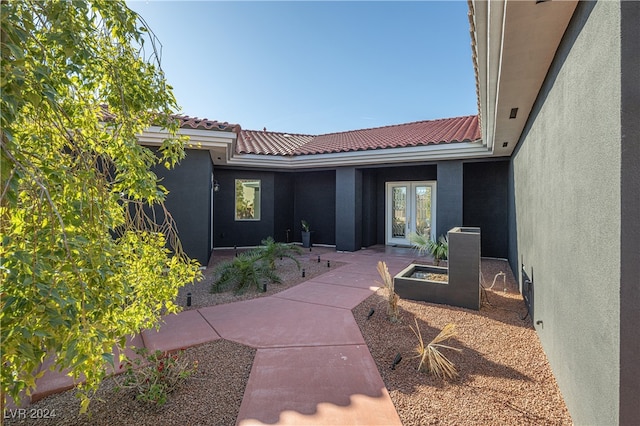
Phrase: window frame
(257, 194)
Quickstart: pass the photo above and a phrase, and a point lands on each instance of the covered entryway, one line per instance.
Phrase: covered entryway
(409, 207)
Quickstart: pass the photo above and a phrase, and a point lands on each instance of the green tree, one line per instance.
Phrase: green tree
(85, 261)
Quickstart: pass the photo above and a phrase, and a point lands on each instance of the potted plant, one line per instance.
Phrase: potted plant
(306, 234)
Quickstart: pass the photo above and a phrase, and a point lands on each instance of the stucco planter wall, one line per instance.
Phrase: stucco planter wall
(463, 270)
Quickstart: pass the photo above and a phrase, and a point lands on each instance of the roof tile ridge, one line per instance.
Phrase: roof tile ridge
(279, 133)
(399, 125)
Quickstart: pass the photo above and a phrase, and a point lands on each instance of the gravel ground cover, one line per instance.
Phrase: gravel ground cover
(504, 374)
(504, 377)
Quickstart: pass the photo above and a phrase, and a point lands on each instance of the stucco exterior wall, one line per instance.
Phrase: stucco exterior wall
(485, 204)
(189, 202)
(449, 197)
(565, 211)
(229, 232)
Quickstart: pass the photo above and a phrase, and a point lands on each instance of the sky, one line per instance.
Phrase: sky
(315, 67)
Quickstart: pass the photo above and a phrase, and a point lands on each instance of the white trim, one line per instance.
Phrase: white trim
(214, 140)
(439, 152)
(199, 139)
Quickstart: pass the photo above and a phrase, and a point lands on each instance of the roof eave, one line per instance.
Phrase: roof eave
(439, 152)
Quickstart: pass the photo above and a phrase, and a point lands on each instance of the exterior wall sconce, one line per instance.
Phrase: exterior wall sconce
(216, 186)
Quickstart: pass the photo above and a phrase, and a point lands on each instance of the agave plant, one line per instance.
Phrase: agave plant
(439, 248)
(243, 271)
(271, 250)
(393, 298)
(437, 364)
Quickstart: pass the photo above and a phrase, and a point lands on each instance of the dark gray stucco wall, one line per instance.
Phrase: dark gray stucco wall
(348, 209)
(370, 215)
(315, 202)
(189, 202)
(449, 197)
(565, 192)
(283, 208)
(229, 232)
(630, 213)
(485, 204)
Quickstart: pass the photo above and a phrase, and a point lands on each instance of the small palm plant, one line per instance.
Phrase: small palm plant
(393, 298)
(439, 248)
(437, 364)
(243, 271)
(271, 250)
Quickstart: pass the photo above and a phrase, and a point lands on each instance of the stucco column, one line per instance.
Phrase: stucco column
(449, 196)
(348, 209)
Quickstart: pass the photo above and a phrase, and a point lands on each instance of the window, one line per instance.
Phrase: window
(247, 199)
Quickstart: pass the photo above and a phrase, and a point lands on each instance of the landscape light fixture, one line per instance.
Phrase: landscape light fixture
(303, 273)
(264, 287)
(188, 299)
(328, 264)
(318, 258)
(396, 361)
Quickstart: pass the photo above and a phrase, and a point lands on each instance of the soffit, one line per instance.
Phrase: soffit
(516, 42)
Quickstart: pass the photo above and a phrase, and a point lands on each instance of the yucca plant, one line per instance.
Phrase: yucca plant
(439, 248)
(436, 363)
(271, 250)
(243, 271)
(393, 298)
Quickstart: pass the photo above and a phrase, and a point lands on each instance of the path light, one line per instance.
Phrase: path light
(188, 299)
(309, 249)
(236, 249)
(396, 361)
(328, 264)
(318, 258)
(264, 287)
(371, 312)
(303, 273)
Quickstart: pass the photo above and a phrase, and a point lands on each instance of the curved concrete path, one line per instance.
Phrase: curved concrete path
(312, 365)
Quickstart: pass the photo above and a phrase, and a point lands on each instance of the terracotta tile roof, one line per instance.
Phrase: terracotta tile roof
(274, 143)
(449, 130)
(206, 124)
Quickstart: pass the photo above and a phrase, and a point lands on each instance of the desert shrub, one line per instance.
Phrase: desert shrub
(154, 375)
(272, 250)
(436, 362)
(246, 269)
(439, 248)
(393, 298)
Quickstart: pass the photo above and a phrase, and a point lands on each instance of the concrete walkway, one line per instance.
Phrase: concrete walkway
(312, 365)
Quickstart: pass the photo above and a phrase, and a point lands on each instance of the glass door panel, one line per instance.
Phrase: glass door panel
(422, 196)
(399, 211)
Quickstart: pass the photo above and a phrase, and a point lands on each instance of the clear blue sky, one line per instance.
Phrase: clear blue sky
(316, 67)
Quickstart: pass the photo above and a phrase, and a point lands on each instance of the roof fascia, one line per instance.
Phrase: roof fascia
(204, 139)
(489, 19)
(369, 157)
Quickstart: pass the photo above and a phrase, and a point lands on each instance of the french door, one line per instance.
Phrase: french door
(410, 207)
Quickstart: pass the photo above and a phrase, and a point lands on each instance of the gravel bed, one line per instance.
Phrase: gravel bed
(201, 295)
(211, 396)
(504, 374)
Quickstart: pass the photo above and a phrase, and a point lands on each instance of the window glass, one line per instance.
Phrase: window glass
(247, 199)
